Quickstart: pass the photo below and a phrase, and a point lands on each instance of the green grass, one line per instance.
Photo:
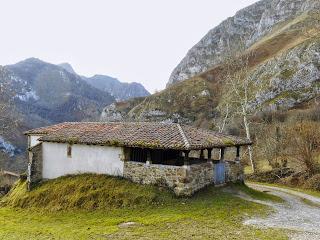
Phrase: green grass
(310, 203)
(257, 194)
(262, 165)
(307, 191)
(209, 214)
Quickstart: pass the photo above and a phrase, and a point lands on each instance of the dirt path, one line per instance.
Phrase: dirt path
(300, 213)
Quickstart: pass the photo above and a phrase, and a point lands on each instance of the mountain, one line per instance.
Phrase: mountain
(283, 37)
(67, 67)
(54, 94)
(250, 25)
(37, 94)
(121, 91)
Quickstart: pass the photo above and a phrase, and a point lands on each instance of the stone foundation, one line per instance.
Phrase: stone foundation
(183, 180)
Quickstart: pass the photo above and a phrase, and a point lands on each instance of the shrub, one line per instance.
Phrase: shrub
(272, 176)
(314, 114)
(303, 145)
(313, 183)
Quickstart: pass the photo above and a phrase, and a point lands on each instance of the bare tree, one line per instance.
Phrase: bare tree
(224, 110)
(303, 145)
(241, 89)
(272, 146)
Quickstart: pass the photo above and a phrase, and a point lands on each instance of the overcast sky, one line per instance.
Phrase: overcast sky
(132, 40)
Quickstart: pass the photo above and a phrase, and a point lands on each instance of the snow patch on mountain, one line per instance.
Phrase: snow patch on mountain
(7, 147)
(28, 95)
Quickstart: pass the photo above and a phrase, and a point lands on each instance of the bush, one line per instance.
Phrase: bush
(303, 145)
(313, 183)
(314, 114)
(272, 176)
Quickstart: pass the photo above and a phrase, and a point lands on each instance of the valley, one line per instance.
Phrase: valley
(248, 164)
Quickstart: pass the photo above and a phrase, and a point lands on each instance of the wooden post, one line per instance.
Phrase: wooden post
(222, 153)
(238, 154)
(186, 158)
(209, 154)
(201, 154)
(149, 161)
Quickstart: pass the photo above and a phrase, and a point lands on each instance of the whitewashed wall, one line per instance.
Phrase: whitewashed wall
(84, 159)
(33, 140)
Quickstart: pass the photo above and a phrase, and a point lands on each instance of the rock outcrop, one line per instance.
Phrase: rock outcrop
(248, 25)
(292, 77)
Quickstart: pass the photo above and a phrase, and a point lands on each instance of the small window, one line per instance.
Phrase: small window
(69, 150)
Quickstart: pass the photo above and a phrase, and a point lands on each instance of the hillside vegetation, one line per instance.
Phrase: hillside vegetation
(154, 213)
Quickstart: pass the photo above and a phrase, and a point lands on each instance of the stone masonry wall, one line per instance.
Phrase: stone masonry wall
(199, 176)
(35, 165)
(183, 180)
(234, 172)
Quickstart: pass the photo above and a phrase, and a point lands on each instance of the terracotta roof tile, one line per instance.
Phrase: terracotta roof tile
(137, 134)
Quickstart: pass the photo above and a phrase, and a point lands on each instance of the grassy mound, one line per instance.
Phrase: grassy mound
(86, 191)
(212, 213)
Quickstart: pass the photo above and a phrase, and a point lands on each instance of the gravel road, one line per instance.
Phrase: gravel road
(299, 214)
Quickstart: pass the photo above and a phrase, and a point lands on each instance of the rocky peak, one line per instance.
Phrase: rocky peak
(67, 67)
(120, 90)
(249, 24)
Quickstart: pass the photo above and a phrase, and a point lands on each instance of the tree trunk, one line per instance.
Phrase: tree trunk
(250, 150)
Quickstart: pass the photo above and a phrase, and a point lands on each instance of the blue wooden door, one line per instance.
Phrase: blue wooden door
(219, 174)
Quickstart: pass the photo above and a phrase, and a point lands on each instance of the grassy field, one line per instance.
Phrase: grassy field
(210, 214)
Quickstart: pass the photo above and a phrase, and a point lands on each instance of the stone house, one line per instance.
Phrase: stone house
(7, 180)
(170, 154)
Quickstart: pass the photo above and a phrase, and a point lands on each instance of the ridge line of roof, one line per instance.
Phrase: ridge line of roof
(184, 137)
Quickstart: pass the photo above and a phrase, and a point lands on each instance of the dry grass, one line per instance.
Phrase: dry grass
(86, 192)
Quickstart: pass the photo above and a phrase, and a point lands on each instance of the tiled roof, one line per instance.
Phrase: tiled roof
(137, 134)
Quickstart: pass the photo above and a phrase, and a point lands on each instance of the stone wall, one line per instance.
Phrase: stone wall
(234, 171)
(183, 180)
(35, 165)
(199, 176)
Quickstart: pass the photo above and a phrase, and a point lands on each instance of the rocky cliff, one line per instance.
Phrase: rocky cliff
(284, 39)
(249, 25)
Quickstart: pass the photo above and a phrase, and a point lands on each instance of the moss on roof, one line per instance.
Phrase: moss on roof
(138, 134)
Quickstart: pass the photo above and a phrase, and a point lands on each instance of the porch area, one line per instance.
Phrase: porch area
(185, 172)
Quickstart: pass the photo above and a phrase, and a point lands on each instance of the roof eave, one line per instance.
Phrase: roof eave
(147, 146)
(28, 133)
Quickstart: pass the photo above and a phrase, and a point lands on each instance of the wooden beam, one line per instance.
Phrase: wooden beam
(209, 154)
(238, 154)
(222, 150)
(201, 154)
(149, 161)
